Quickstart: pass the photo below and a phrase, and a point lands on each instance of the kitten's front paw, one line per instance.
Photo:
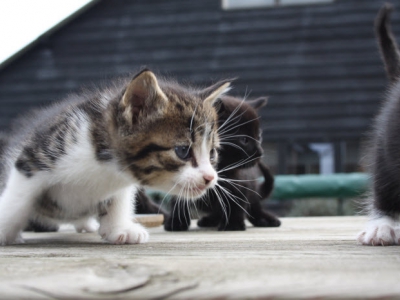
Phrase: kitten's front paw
(266, 222)
(8, 239)
(380, 232)
(208, 221)
(234, 226)
(174, 224)
(130, 233)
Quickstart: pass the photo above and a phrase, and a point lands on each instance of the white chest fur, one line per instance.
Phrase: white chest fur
(79, 181)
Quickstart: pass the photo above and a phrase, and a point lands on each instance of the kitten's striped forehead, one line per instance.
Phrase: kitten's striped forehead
(186, 121)
(199, 119)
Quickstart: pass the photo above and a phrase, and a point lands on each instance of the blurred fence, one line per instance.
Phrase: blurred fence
(340, 185)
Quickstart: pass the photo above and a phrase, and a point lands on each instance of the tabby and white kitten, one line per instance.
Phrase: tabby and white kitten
(85, 156)
(383, 227)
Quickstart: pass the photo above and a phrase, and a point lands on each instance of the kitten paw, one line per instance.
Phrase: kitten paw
(86, 225)
(236, 226)
(10, 238)
(176, 225)
(380, 232)
(128, 234)
(266, 222)
(208, 221)
(19, 239)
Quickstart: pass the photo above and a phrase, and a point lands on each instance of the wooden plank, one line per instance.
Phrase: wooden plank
(306, 258)
(150, 220)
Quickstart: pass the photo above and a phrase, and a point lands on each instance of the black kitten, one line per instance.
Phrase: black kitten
(383, 227)
(238, 193)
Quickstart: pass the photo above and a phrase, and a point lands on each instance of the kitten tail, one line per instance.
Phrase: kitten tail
(267, 186)
(387, 43)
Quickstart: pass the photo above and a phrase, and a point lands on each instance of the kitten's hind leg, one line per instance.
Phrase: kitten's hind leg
(86, 225)
(16, 205)
(41, 226)
(215, 213)
(383, 227)
(235, 221)
(211, 220)
(179, 218)
(260, 217)
(116, 223)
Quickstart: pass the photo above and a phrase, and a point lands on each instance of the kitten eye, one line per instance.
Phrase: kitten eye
(213, 153)
(183, 152)
(245, 140)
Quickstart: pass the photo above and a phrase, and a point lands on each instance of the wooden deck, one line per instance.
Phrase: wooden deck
(305, 258)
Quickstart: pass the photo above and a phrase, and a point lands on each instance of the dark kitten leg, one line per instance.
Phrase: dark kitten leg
(211, 220)
(145, 205)
(259, 217)
(223, 213)
(179, 217)
(41, 227)
(235, 220)
(383, 226)
(213, 210)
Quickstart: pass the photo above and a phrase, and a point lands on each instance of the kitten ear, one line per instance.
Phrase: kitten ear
(219, 106)
(258, 103)
(212, 93)
(143, 92)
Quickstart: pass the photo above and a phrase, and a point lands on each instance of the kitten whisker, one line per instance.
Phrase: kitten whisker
(239, 163)
(239, 135)
(236, 185)
(192, 119)
(167, 194)
(178, 200)
(232, 197)
(187, 202)
(230, 122)
(234, 146)
(238, 180)
(231, 115)
(221, 202)
(241, 124)
(237, 197)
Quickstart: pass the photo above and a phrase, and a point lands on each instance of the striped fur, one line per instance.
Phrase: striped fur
(85, 156)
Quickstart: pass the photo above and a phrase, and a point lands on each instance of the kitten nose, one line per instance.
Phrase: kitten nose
(208, 178)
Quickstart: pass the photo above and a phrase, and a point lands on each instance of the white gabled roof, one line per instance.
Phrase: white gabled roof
(22, 22)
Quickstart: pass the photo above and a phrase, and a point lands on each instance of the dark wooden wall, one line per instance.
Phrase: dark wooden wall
(318, 63)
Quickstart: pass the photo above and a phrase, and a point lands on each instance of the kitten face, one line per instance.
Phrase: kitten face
(240, 132)
(167, 135)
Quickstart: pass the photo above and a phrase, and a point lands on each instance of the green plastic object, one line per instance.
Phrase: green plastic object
(339, 185)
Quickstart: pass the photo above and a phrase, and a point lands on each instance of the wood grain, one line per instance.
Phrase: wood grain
(306, 258)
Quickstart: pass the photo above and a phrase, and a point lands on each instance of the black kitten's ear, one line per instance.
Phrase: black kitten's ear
(142, 93)
(258, 103)
(219, 106)
(212, 93)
